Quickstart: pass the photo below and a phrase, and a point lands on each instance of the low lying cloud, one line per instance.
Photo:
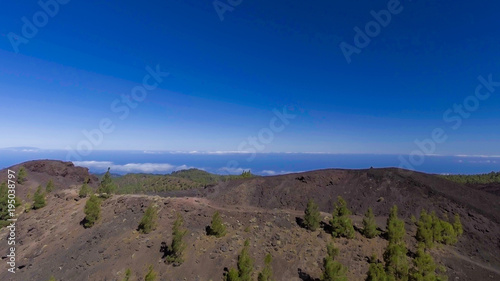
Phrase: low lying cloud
(150, 168)
(232, 171)
(273, 173)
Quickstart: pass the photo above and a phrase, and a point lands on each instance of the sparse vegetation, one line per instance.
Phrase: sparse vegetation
(332, 269)
(21, 175)
(85, 190)
(148, 221)
(151, 275)
(267, 272)
(6, 204)
(217, 228)
(341, 223)
(369, 225)
(52, 278)
(50, 186)
(475, 179)
(39, 199)
(177, 247)
(178, 180)
(92, 211)
(312, 216)
(106, 187)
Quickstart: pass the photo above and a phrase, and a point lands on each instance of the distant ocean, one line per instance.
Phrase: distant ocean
(122, 162)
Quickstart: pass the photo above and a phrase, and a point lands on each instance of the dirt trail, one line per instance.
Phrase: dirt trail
(469, 260)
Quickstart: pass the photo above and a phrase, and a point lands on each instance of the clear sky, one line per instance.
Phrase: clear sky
(226, 77)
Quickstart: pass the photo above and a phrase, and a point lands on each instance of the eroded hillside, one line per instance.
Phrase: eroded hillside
(265, 210)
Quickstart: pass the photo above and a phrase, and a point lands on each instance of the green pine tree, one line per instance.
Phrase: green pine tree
(424, 230)
(437, 229)
(92, 211)
(395, 227)
(396, 262)
(39, 199)
(332, 269)
(106, 187)
(21, 175)
(376, 271)
(148, 221)
(267, 272)
(448, 234)
(151, 275)
(217, 228)
(49, 187)
(312, 216)
(369, 225)
(245, 263)
(85, 190)
(424, 267)
(6, 204)
(341, 223)
(177, 247)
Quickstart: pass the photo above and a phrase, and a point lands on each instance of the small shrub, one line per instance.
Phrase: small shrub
(376, 270)
(128, 274)
(151, 275)
(217, 228)
(369, 225)
(106, 187)
(85, 191)
(148, 221)
(267, 272)
(245, 263)
(92, 211)
(21, 175)
(176, 249)
(50, 186)
(39, 199)
(312, 216)
(332, 269)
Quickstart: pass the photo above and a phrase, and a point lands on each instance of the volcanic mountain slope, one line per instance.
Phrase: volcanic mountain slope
(265, 210)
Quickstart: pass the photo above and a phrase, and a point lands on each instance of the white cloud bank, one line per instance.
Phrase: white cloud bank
(151, 168)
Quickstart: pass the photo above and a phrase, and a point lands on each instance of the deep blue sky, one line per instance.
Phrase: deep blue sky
(226, 77)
